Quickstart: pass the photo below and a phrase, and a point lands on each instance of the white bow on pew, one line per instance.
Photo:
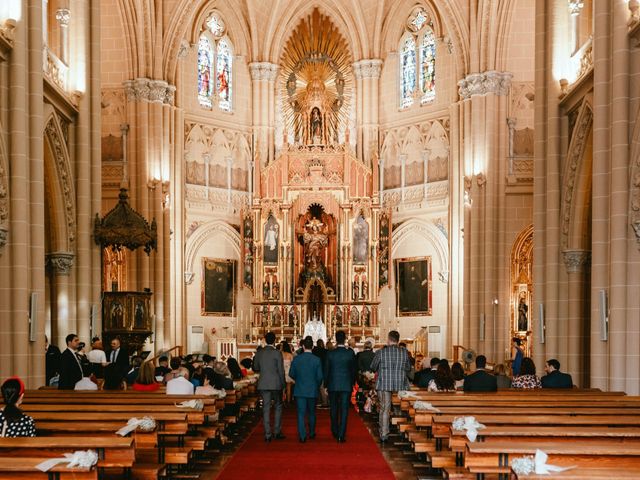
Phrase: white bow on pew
(80, 458)
(422, 405)
(406, 394)
(145, 424)
(193, 404)
(535, 464)
(470, 424)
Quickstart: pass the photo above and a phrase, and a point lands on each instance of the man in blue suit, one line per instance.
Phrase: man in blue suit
(306, 370)
(339, 377)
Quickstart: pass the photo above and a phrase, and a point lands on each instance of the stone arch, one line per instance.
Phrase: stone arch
(350, 28)
(429, 232)
(576, 183)
(59, 187)
(447, 22)
(521, 275)
(202, 234)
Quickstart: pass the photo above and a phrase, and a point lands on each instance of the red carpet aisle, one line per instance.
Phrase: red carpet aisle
(322, 458)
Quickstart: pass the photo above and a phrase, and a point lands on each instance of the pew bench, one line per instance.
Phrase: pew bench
(24, 468)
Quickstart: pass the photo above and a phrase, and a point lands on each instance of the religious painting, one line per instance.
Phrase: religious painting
(205, 69)
(247, 251)
(360, 241)
(218, 287)
(271, 240)
(384, 246)
(413, 286)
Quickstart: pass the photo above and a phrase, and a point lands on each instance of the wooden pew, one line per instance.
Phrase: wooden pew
(24, 468)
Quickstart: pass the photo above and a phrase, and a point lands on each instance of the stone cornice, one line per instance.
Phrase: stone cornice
(576, 261)
(145, 89)
(59, 263)
(370, 68)
(261, 71)
(497, 83)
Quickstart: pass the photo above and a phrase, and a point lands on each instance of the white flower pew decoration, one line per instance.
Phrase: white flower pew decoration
(194, 404)
(468, 424)
(80, 458)
(404, 394)
(144, 424)
(535, 464)
(421, 405)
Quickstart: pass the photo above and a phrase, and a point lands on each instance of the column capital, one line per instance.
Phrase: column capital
(188, 277)
(59, 263)
(575, 6)
(148, 90)
(497, 83)
(63, 15)
(576, 260)
(261, 71)
(368, 68)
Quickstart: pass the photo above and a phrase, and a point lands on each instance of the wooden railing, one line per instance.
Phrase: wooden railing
(177, 348)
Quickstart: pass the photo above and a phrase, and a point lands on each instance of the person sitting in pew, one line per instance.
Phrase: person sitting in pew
(458, 375)
(222, 377)
(14, 423)
(163, 367)
(423, 377)
(554, 377)
(179, 386)
(177, 370)
(146, 380)
(208, 380)
(443, 381)
(501, 377)
(527, 377)
(113, 379)
(132, 374)
(480, 380)
(86, 382)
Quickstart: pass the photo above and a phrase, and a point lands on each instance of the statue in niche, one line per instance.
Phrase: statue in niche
(316, 126)
(315, 241)
(523, 314)
(271, 240)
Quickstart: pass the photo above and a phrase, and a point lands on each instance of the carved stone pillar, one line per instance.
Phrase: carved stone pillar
(577, 263)
(263, 75)
(58, 265)
(63, 15)
(367, 73)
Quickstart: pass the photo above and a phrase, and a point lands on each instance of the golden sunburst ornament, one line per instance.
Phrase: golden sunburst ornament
(316, 81)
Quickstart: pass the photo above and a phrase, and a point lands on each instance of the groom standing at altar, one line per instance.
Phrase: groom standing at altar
(339, 377)
(269, 363)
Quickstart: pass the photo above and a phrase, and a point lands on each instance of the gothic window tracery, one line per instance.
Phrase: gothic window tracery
(418, 60)
(215, 65)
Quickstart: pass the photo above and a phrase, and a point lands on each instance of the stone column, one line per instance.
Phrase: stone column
(63, 15)
(577, 263)
(263, 75)
(59, 265)
(367, 73)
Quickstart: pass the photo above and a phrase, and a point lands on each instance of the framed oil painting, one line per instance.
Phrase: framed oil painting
(218, 287)
(413, 286)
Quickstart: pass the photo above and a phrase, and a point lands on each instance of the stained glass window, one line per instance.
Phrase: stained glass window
(428, 66)
(205, 72)
(417, 20)
(215, 65)
(407, 71)
(223, 71)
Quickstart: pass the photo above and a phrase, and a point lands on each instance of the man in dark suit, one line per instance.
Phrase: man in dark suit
(365, 357)
(554, 377)
(424, 376)
(52, 360)
(269, 363)
(306, 371)
(480, 380)
(339, 377)
(70, 368)
(119, 357)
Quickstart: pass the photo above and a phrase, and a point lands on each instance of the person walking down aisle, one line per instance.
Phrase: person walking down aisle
(306, 371)
(269, 363)
(340, 376)
(392, 364)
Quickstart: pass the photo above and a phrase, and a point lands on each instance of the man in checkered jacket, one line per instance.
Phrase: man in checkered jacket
(392, 364)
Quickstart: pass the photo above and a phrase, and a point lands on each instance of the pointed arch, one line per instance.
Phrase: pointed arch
(204, 233)
(429, 232)
(60, 187)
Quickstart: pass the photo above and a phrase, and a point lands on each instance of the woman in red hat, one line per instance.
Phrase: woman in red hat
(14, 423)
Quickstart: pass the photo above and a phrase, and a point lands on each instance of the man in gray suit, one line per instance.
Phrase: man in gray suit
(269, 364)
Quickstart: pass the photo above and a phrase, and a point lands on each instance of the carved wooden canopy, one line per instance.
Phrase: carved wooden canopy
(124, 227)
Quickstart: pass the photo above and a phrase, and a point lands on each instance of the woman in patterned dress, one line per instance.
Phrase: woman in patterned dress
(527, 377)
(13, 422)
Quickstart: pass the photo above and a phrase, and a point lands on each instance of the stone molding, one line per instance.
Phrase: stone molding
(497, 83)
(261, 71)
(59, 263)
(576, 261)
(188, 277)
(370, 68)
(63, 16)
(145, 89)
